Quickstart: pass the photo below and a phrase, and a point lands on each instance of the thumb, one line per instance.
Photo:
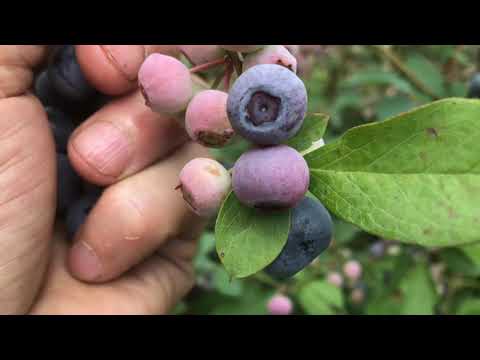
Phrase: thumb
(27, 181)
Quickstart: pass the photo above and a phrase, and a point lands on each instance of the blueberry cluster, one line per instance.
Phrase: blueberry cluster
(68, 99)
(266, 105)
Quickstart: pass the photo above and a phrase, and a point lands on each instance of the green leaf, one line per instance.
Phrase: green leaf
(469, 307)
(249, 239)
(413, 178)
(309, 136)
(427, 72)
(391, 106)
(473, 252)
(320, 298)
(372, 77)
(418, 292)
(224, 285)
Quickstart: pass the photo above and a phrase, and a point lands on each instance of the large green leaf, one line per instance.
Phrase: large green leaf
(413, 178)
(320, 298)
(418, 292)
(309, 136)
(247, 239)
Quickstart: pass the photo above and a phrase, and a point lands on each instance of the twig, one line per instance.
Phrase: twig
(207, 65)
(398, 64)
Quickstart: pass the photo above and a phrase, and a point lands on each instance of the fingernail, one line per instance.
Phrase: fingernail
(84, 263)
(104, 147)
(127, 59)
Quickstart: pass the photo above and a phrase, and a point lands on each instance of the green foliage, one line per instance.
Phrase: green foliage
(399, 167)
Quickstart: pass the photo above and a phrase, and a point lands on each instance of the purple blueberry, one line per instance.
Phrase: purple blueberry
(267, 104)
(310, 234)
(271, 177)
(69, 184)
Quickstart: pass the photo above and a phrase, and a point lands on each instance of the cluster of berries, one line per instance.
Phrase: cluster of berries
(266, 105)
(68, 100)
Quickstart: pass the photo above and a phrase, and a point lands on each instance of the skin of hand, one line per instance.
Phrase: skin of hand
(133, 254)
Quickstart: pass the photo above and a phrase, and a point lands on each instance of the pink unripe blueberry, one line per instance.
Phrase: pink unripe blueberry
(206, 119)
(280, 305)
(272, 54)
(271, 177)
(201, 54)
(352, 269)
(335, 279)
(242, 48)
(165, 83)
(357, 296)
(204, 183)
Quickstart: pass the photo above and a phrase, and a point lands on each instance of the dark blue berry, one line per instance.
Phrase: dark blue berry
(267, 104)
(474, 88)
(310, 234)
(67, 77)
(62, 127)
(69, 184)
(46, 93)
(78, 212)
(378, 249)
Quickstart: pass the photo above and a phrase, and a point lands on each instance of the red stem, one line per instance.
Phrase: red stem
(207, 65)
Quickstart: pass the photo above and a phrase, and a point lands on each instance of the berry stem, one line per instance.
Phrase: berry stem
(208, 65)
(228, 76)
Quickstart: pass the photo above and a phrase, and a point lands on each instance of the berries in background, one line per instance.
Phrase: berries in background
(310, 234)
(165, 83)
(201, 54)
(352, 270)
(77, 213)
(280, 305)
(474, 87)
(335, 279)
(62, 127)
(69, 184)
(378, 249)
(206, 119)
(267, 104)
(272, 54)
(271, 177)
(204, 184)
(242, 48)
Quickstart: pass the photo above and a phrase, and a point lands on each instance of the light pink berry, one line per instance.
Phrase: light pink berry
(352, 269)
(272, 54)
(242, 48)
(206, 119)
(204, 184)
(165, 83)
(335, 279)
(201, 54)
(280, 305)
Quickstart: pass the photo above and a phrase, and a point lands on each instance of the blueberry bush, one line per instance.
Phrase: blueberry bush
(392, 150)
(342, 179)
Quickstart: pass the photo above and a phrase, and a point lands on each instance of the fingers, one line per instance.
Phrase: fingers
(151, 288)
(133, 218)
(16, 63)
(27, 200)
(113, 69)
(121, 139)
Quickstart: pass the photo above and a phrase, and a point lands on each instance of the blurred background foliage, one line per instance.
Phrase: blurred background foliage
(359, 84)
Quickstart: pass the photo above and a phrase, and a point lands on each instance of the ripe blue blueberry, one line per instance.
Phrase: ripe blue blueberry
(378, 249)
(69, 184)
(310, 234)
(267, 104)
(78, 212)
(474, 87)
(67, 77)
(62, 127)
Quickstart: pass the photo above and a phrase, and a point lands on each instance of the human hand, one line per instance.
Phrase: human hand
(133, 254)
